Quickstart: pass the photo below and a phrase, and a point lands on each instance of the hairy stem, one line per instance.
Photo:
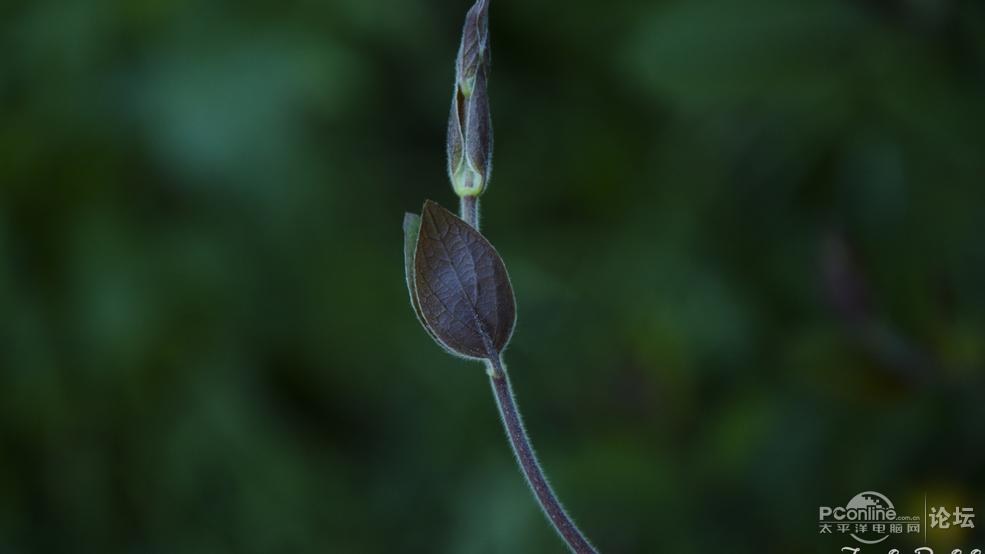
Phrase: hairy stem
(470, 210)
(529, 465)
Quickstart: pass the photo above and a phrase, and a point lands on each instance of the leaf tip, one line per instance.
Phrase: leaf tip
(434, 211)
(410, 220)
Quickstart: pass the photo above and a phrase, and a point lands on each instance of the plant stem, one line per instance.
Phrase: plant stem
(529, 465)
(470, 210)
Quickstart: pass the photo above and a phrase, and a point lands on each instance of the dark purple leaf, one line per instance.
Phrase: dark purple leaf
(463, 290)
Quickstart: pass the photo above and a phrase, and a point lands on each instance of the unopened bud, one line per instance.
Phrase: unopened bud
(469, 123)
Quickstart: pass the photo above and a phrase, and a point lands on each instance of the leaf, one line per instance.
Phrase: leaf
(412, 227)
(463, 291)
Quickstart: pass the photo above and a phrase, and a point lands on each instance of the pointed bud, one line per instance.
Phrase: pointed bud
(469, 123)
(473, 52)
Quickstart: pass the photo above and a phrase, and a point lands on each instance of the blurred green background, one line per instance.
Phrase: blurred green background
(745, 238)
